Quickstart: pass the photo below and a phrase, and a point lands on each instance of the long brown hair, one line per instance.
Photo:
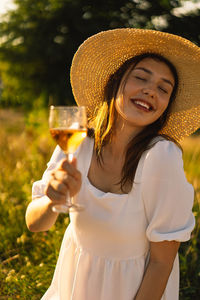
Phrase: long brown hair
(103, 121)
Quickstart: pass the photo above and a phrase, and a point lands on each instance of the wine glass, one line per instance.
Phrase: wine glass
(68, 127)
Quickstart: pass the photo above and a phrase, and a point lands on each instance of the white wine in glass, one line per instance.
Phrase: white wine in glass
(68, 127)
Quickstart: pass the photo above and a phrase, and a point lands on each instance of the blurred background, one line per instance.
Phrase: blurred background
(37, 42)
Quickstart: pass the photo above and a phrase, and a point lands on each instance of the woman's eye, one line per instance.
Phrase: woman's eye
(140, 78)
(163, 90)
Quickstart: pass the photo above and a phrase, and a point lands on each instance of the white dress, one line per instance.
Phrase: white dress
(105, 249)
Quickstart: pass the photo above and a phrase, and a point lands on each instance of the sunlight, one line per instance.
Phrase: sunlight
(6, 5)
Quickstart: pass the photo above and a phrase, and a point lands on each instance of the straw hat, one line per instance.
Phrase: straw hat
(102, 54)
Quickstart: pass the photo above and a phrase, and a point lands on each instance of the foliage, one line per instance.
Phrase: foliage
(28, 259)
(190, 251)
(38, 41)
(39, 38)
(170, 16)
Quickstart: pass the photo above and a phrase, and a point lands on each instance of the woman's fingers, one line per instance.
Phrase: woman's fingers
(56, 197)
(61, 176)
(65, 178)
(59, 186)
(70, 182)
(70, 168)
(73, 184)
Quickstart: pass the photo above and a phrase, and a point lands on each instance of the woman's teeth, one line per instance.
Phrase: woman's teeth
(143, 104)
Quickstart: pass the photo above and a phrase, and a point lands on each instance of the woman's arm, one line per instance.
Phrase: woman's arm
(39, 214)
(162, 255)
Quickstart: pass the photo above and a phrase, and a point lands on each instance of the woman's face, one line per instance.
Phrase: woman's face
(144, 95)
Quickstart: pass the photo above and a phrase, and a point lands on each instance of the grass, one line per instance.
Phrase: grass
(27, 260)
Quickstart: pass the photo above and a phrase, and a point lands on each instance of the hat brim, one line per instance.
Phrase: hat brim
(102, 54)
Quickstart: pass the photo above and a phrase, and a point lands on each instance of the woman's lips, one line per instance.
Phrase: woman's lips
(143, 105)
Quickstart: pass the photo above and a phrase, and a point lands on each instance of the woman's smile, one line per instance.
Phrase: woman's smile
(142, 104)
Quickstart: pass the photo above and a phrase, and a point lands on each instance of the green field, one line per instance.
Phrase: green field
(27, 260)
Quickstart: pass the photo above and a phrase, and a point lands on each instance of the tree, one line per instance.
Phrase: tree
(176, 16)
(39, 40)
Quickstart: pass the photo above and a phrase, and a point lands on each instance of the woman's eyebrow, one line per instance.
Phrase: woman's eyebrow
(144, 69)
(149, 72)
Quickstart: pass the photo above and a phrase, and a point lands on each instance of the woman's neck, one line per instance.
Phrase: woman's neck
(123, 134)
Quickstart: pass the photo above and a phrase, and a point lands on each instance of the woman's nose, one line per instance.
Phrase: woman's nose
(149, 91)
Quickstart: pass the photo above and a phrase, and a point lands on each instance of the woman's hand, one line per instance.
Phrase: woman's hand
(65, 178)
(39, 214)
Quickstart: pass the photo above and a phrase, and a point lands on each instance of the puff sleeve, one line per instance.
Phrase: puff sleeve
(167, 196)
(39, 186)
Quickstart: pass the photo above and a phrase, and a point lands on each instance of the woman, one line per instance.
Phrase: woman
(141, 91)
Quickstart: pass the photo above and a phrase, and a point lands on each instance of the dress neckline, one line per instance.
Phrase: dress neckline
(93, 187)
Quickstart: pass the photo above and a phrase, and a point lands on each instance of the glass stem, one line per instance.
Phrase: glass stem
(68, 198)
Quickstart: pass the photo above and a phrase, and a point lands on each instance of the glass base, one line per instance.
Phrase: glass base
(67, 208)
(60, 209)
